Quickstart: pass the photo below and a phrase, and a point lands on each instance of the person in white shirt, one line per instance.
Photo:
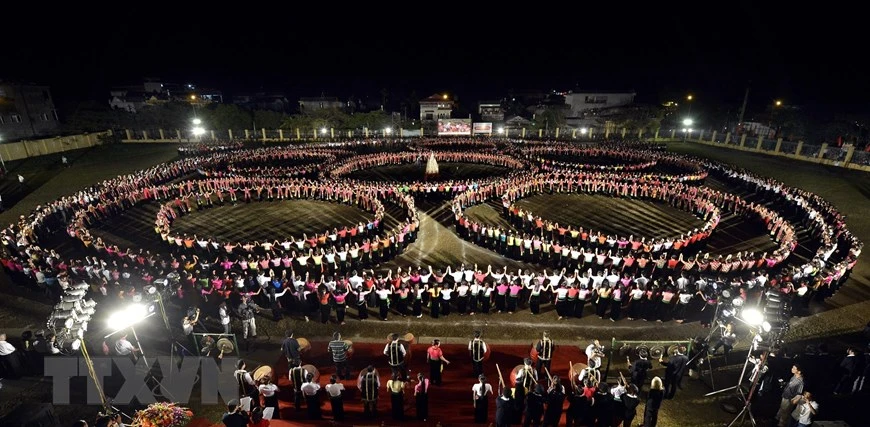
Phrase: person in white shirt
(310, 390)
(123, 347)
(334, 389)
(480, 393)
(270, 397)
(594, 352)
(5, 348)
(188, 322)
(224, 315)
(806, 409)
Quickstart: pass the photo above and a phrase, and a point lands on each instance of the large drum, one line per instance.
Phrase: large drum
(349, 348)
(533, 353)
(487, 353)
(313, 371)
(304, 345)
(263, 374)
(577, 368)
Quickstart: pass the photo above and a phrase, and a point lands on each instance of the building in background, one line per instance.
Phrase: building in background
(26, 111)
(321, 103)
(581, 101)
(490, 111)
(153, 91)
(436, 107)
(273, 101)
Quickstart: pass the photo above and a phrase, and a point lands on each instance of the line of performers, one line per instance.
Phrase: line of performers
(530, 395)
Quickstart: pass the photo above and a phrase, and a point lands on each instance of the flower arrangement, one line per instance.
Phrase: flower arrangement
(162, 414)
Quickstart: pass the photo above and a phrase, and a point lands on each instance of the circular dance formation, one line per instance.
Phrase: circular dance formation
(648, 277)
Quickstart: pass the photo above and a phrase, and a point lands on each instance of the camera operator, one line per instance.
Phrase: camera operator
(235, 416)
(727, 340)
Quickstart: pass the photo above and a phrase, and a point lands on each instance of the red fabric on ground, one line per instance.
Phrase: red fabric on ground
(449, 404)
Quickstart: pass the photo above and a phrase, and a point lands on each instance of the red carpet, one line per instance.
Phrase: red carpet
(449, 404)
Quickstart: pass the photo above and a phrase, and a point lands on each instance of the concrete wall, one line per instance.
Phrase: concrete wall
(40, 147)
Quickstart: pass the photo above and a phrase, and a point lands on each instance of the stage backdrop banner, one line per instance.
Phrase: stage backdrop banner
(454, 126)
(482, 128)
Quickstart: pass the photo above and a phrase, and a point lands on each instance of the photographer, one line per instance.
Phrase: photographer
(235, 416)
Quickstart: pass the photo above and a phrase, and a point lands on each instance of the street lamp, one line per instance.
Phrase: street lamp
(584, 131)
(388, 130)
(501, 131)
(778, 103)
(687, 129)
(323, 131)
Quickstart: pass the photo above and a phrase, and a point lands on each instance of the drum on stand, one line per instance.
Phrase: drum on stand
(514, 372)
(578, 368)
(263, 374)
(313, 371)
(304, 345)
(533, 353)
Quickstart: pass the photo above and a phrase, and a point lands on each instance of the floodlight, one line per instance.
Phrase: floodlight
(388, 130)
(753, 317)
(323, 130)
(197, 122)
(688, 122)
(500, 130)
(128, 316)
(197, 131)
(584, 130)
(765, 326)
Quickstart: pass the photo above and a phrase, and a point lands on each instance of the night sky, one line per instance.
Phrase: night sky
(663, 50)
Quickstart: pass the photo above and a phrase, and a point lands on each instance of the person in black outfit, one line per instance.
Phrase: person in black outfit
(545, 348)
(628, 405)
(849, 370)
(602, 406)
(577, 405)
(421, 395)
(653, 403)
(674, 370)
(555, 401)
(534, 407)
(504, 407)
(639, 368)
(290, 348)
(297, 377)
(235, 416)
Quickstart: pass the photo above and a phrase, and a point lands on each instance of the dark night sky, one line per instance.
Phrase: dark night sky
(662, 50)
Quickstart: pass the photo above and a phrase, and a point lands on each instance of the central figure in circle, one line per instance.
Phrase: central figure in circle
(431, 168)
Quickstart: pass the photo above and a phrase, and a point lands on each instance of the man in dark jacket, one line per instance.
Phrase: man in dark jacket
(504, 407)
(534, 407)
(674, 370)
(629, 402)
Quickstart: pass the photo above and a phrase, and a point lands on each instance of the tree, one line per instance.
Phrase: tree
(226, 116)
(267, 119)
(550, 118)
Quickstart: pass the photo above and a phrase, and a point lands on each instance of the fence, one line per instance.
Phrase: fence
(40, 147)
(846, 156)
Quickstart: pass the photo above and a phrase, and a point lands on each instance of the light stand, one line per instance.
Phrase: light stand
(747, 407)
(738, 387)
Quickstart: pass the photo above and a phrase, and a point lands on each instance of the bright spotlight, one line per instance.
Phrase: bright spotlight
(584, 131)
(765, 326)
(129, 316)
(685, 130)
(388, 130)
(323, 130)
(197, 131)
(500, 131)
(753, 317)
(688, 122)
(197, 122)
(689, 130)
